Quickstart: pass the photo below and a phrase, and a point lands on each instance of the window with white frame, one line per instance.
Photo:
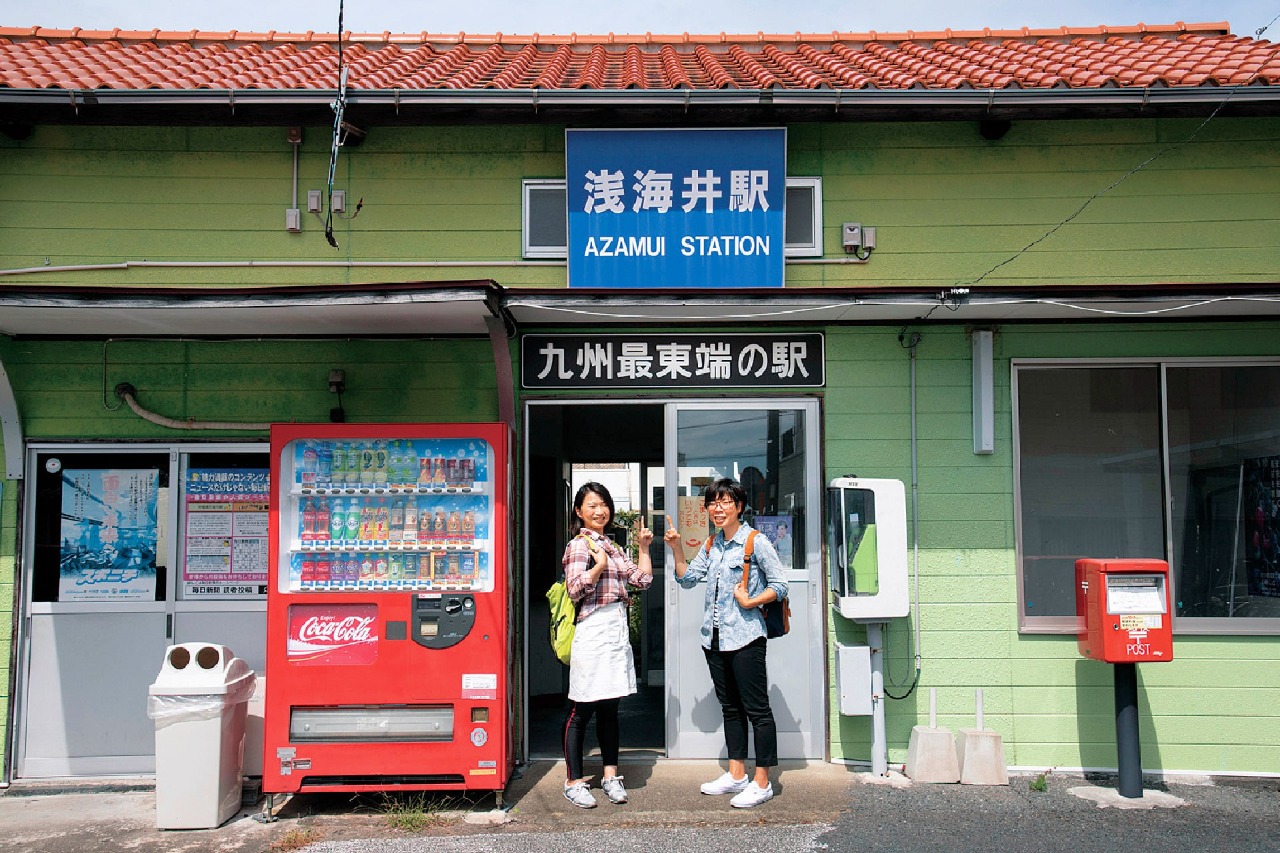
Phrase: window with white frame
(545, 227)
(1176, 460)
(545, 219)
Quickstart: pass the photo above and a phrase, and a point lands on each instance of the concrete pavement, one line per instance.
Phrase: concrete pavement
(818, 806)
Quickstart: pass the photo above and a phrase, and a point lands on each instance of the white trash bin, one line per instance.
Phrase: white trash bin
(199, 702)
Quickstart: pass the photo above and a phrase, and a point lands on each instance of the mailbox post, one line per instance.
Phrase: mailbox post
(1122, 607)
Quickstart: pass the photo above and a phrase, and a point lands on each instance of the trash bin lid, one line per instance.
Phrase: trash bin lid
(200, 669)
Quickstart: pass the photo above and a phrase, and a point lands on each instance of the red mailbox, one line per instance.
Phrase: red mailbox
(1123, 606)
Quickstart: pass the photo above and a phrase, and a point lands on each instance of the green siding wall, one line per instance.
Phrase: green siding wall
(66, 389)
(1214, 708)
(949, 205)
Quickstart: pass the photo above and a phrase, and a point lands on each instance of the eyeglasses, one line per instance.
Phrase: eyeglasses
(723, 503)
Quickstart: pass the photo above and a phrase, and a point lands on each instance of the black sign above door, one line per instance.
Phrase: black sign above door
(673, 361)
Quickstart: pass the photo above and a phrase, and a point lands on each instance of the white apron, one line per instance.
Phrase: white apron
(601, 665)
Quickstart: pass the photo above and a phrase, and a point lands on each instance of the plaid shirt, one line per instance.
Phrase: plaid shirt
(612, 585)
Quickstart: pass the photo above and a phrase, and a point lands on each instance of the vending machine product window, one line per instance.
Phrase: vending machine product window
(388, 514)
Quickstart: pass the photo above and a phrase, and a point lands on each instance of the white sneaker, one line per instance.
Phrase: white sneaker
(579, 795)
(752, 795)
(614, 790)
(726, 784)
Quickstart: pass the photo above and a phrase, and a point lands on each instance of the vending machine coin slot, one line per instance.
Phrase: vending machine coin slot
(441, 620)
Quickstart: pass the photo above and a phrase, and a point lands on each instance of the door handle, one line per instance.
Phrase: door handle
(168, 626)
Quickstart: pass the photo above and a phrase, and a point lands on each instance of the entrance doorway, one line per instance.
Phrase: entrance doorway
(771, 446)
(619, 446)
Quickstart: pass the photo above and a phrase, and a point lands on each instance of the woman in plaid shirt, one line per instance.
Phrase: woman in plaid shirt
(601, 667)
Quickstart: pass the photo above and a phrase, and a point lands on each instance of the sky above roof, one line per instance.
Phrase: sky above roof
(656, 16)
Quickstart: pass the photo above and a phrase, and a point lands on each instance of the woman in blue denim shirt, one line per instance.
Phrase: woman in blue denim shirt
(733, 636)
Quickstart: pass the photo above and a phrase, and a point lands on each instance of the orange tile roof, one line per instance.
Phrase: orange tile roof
(1175, 55)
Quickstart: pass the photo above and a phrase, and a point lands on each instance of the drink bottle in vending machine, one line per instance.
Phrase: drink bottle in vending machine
(388, 608)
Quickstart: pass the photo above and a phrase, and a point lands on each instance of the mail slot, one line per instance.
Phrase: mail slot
(1123, 610)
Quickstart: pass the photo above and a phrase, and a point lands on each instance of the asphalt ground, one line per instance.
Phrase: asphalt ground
(818, 807)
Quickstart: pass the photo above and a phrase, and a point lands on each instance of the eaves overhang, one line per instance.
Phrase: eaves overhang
(469, 308)
(384, 310)
(892, 306)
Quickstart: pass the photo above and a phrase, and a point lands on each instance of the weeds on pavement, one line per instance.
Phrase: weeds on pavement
(415, 812)
(1040, 784)
(294, 839)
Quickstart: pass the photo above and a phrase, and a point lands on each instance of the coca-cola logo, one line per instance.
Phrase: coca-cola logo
(332, 636)
(326, 629)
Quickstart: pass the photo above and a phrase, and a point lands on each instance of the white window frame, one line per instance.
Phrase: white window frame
(809, 249)
(527, 248)
(813, 247)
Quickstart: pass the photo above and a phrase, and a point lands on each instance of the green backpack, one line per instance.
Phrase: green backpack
(564, 616)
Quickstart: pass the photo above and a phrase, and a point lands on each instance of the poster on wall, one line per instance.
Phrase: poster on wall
(777, 529)
(225, 552)
(693, 523)
(108, 535)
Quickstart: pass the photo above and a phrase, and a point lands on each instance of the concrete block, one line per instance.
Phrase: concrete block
(932, 756)
(980, 754)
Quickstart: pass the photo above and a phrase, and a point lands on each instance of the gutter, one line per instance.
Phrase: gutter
(981, 100)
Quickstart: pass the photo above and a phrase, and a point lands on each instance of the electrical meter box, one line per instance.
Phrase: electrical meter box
(1122, 607)
(867, 548)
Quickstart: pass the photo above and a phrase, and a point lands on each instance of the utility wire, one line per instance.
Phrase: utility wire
(339, 107)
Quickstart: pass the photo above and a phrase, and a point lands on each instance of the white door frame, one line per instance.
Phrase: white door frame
(694, 729)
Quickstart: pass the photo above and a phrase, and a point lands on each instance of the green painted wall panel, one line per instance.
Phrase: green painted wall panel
(1052, 708)
(62, 384)
(949, 206)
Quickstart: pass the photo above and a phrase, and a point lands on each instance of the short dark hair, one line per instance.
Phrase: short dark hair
(576, 526)
(725, 487)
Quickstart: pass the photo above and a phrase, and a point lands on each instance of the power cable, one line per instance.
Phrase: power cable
(339, 107)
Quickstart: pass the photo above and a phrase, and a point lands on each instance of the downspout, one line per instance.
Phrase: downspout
(14, 445)
(10, 428)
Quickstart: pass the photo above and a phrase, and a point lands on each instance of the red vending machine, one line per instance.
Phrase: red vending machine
(388, 608)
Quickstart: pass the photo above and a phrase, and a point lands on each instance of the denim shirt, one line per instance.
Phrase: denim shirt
(738, 627)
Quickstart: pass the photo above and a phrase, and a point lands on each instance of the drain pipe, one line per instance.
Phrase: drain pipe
(915, 508)
(129, 394)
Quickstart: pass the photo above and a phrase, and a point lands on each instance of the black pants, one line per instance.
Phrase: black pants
(575, 731)
(742, 686)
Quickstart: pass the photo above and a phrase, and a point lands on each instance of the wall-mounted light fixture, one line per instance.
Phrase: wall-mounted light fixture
(984, 405)
(858, 239)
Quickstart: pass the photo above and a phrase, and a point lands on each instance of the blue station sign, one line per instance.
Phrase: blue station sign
(676, 208)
